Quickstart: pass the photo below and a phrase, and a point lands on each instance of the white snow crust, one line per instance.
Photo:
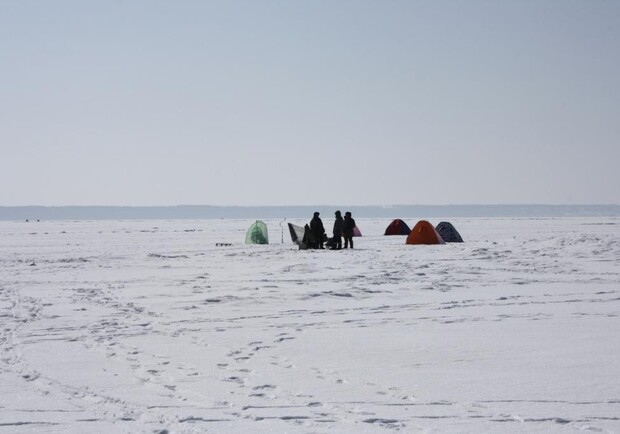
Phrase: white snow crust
(148, 326)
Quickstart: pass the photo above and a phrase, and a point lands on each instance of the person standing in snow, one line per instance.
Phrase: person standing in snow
(318, 231)
(347, 229)
(338, 227)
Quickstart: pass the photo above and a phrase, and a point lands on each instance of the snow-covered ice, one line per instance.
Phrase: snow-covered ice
(148, 326)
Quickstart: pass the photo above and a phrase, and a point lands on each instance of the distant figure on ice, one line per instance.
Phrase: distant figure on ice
(338, 226)
(317, 229)
(347, 229)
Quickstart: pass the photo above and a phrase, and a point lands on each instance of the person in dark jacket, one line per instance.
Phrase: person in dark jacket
(338, 227)
(316, 226)
(347, 229)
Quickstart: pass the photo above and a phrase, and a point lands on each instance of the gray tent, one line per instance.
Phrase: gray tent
(448, 233)
(297, 233)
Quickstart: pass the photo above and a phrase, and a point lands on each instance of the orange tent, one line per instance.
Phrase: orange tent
(424, 233)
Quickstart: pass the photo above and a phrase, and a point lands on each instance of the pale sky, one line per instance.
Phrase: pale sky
(309, 102)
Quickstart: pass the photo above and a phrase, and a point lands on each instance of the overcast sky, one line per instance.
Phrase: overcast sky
(309, 102)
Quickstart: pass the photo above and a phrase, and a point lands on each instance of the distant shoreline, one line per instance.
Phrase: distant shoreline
(266, 212)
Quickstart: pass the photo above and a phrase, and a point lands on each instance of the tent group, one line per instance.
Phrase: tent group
(424, 232)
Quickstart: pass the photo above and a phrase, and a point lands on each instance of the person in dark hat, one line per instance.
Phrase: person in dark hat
(347, 229)
(338, 227)
(318, 231)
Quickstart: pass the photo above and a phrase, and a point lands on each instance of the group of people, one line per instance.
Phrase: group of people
(343, 227)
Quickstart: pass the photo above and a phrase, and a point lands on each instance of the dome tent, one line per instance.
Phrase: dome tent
(397, 227)
(448, 233)
(424, 233)
(257, 233)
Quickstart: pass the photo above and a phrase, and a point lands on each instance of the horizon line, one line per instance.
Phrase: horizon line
(314, 205)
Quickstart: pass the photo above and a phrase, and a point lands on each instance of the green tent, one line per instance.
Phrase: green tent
(257, 233)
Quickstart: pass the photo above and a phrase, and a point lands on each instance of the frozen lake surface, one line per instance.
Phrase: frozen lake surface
(148, 326)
